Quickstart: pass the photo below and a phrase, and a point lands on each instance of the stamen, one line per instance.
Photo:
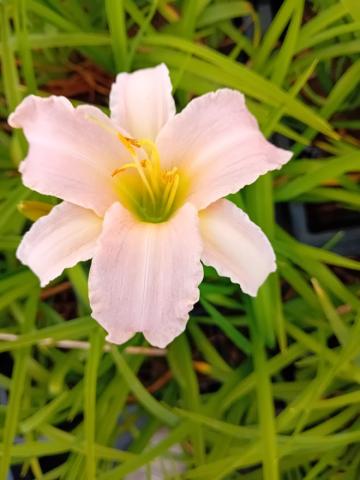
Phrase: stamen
(129, 143)
(152, 152)
(166, 192)
(173, 191)
(168, 178)
(160, 187)
(154, 168)
(144, 179)
(169, 175)
(124, 168)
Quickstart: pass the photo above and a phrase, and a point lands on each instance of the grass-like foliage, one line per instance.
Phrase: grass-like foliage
(255, 388)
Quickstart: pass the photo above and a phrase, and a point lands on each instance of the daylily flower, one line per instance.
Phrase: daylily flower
(143, 196)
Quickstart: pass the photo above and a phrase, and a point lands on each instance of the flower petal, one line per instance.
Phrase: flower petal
(64, 237)
(217, 142)
(235, 246)
(72, 151)
(141, 102)
(144, 277)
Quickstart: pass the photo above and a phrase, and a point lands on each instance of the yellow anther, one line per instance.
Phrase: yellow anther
(168, 175)
(129, 143)
(152, 152)
(124, 167)
(117, 171)
(166, 191)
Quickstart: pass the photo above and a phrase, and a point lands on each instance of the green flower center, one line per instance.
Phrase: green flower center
(143, 187)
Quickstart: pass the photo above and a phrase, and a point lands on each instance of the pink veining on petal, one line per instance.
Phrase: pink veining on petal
(144, 277)
(235, 246)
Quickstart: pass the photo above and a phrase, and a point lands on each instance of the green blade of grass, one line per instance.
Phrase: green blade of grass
(17, 388)
(180, 360)
(265, 409)
(248, 81)
(9, 71)
(273, 33)
(116, 18)
(71, 329)
(220, 12)
(175, 436)
(90, 381)
(338, 326)
(144, 397)
(283, 59)
(23, 46)
(275, 364)
(236, 337)
(322, 20)
(306, 182)
(207, 349)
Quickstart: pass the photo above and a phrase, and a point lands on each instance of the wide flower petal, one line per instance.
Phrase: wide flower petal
(141, 102)
(72, 151)
(144, 277)
(235, 246)
(64, 237)
(217, 143)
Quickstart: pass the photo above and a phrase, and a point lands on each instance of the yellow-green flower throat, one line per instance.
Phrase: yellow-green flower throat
(150, 192)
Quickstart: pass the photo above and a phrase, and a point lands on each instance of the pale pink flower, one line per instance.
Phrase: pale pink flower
(143, 197)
